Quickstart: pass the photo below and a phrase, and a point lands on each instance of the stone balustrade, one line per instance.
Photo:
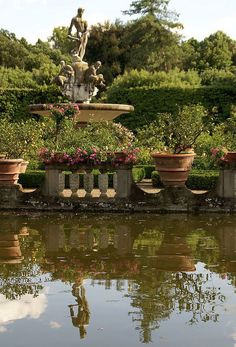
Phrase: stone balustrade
(106, 184)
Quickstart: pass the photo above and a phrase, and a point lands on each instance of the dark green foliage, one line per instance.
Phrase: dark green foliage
(198, 180)
(107, 44)
(148, 169)
(138, 174)
(149, 101)
(14, 102)
(202, 180)
(156, 181)
(32, 179)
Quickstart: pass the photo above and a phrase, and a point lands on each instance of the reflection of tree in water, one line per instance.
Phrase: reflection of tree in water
(167, 283)
(79, 312)
(18, 280)
(159, 294)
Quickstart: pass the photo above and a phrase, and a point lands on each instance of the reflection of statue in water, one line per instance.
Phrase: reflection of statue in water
(82, 33)
(81, 319)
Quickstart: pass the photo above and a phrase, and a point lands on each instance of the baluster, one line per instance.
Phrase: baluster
(88, 183)
(103, 184)
(61, 184)
(74, 184)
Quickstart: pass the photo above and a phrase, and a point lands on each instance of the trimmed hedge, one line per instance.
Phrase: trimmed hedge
(148, 169)
(148, 101)
(138, 174)
(14, 102)
(32, 179)
(197, 180)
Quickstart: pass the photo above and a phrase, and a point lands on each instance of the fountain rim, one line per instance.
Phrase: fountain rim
(33, 108)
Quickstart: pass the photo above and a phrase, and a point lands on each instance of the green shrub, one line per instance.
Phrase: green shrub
(172, 78)
(197, 180)
(202, 180)
(21, 139)
(14, 102)
(156, 181)
(32, 179)
(148, 169)
(138, 174)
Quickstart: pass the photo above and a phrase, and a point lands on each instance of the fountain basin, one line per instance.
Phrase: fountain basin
(95, 112)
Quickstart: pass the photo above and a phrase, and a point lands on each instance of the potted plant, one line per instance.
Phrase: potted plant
(18, 140)
(179, 132)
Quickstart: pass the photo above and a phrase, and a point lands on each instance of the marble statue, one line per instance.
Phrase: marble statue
(79, 81)
(82, 33)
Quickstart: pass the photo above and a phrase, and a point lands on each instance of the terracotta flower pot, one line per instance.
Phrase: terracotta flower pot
(23, 167)
(173, 168)
(9, 171)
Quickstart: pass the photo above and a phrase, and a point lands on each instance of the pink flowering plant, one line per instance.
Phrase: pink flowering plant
(219, 155)
(125, 156)
(61, 111)
(91, 157)
(98, 145)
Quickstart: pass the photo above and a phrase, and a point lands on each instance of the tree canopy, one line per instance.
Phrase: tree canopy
(150, 40)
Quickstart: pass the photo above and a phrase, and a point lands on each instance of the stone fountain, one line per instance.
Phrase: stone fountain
(79, 82)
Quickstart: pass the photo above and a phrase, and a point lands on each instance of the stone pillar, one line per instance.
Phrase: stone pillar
(74, 184)
(226, 187)
(88, 184)
(124, 182)
(54, 183)
(103, 184)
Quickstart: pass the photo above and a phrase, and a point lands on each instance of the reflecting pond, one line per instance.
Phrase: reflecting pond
(117, 280)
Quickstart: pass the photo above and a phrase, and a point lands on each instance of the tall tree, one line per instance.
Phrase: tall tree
(107, 44)
(152, 39)
(156, 8)
(217, 51)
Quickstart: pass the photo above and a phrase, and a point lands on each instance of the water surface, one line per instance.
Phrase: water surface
(117, 280)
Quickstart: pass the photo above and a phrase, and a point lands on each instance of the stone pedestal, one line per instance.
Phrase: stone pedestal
(124, 182)
(226, 187)
(54, 183)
